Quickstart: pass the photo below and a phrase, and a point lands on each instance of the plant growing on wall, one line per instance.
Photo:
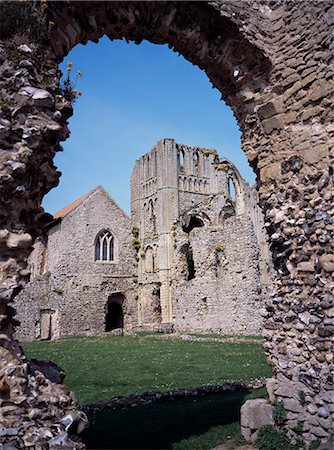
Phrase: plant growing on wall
(220, 248)
(279, 413)
(135, 240)
(68, 87)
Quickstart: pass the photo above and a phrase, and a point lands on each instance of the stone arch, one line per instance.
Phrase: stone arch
(195, 220)
(149, 262)
(239, 184)
(279, 90)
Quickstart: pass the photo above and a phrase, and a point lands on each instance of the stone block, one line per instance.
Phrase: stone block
(274, 123)
(271, 385)
(327, 262)
(320, 89)
(293, 405)
(270, 109)
(255, 414)
(312, 155)
(270, 172)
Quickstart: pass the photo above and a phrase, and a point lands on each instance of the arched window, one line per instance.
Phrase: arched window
(181, 160)
(231, 190)
(196, 164)
(104, 246)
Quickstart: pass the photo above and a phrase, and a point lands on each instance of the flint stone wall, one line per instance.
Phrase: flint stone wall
(68, 281)
(225, 294)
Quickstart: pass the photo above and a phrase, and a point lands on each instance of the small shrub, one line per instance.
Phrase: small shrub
(302, 399)
(314, 444)
(299, 443)
(222, 167)
(135, 231)
(136, 243)
(279, 413)
(269, 438)
(299, 427)
(58, 290)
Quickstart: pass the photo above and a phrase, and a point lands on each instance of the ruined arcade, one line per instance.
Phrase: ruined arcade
(272, 63)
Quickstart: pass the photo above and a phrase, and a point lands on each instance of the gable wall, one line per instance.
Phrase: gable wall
(72, 283)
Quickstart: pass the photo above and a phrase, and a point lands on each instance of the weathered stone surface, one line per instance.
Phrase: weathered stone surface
(254, 414)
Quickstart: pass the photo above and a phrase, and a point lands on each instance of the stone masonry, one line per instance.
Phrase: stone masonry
(272, 62)
(197, 226)
(199, 255)
(68, 283)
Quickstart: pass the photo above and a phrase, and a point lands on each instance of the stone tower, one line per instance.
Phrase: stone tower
(180, 195)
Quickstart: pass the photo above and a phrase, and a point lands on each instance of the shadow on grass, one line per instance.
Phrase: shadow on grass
(160, 425)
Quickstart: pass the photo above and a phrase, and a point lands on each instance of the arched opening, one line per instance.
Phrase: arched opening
(186, 253)
(181, 160)
(114, 317)
(192, 222)
(104, 247)
(231, 191)
(196, 163)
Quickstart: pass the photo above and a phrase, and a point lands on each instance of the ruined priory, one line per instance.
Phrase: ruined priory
(193, 256)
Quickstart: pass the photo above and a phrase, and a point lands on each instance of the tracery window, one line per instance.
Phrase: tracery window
(104, 246)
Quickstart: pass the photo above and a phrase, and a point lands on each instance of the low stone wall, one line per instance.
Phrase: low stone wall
(123, 402)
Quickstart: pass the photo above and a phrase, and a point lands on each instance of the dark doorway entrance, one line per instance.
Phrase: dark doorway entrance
(114, 312)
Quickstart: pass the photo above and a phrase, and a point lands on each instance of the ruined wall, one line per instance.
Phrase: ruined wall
(225, 293)
(172, 186)
(272, 62)
(71, 283)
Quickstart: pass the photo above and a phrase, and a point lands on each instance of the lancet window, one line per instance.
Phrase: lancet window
(104, 246)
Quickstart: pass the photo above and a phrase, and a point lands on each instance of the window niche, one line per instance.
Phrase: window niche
(104, 247)
(188, 261)
(181, 160)
(192, 222)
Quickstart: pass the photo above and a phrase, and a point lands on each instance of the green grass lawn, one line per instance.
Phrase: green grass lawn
(100, 368)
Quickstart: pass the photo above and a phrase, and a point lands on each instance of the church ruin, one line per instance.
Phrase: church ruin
(189, 259)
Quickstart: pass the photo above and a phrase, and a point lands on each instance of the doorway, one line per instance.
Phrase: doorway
(114, 312)
(48, 324)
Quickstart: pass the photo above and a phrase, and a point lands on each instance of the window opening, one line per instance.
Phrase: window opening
(231, 190)
(181, 160)
(191, 223)
(196, 164)
(104, 246)
(187, 253)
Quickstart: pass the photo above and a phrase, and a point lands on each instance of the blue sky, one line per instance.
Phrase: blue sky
(134, 95)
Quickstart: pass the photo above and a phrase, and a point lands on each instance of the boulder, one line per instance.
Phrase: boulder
(255, 414)
(49, 369)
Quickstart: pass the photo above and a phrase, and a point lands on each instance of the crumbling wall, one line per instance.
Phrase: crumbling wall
(224, 293)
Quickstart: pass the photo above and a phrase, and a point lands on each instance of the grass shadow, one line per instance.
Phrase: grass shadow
(160, 425)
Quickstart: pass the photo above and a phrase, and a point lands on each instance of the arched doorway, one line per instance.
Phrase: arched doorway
(114, 316)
